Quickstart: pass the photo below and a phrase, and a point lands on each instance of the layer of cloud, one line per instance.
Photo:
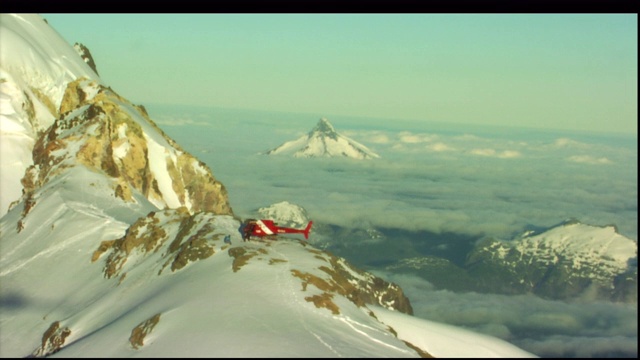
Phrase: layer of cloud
(448, 182)
(379, 138)
(440, 147)
(505, 154)
(408, 137)
(586, 159)
(544, 327)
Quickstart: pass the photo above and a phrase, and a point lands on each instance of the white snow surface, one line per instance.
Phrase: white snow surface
(34, 59)
(324, 141)
(285, 213)
(436, 338)
(158, 165)
(585, 240)
(34, 52)
(206, 308)
(582, 244)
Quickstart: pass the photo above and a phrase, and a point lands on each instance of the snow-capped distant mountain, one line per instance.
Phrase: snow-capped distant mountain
(115, 248)
(324, 141)
(563, 262)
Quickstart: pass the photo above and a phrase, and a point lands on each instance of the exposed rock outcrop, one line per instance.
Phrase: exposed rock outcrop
(140, 332)
(358, 286)
(105, 132)
(176, 238)
(85, 54)
(53, 340)
(184, 238)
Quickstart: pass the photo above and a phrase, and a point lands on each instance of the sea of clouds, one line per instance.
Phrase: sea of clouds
(440, 178)
(581, 328)
(430, 176)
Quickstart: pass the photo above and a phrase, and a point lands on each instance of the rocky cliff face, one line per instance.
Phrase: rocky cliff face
(85, 54)
(104, 132)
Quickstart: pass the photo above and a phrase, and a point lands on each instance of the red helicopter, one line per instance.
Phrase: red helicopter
(269, 229)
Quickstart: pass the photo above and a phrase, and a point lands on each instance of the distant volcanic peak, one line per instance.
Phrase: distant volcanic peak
(324, 141)
(324, 128)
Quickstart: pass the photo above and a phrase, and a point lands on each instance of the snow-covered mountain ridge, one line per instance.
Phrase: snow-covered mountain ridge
(186, 238)
(581, 244)
(324, 141)
(36, 64)
(565, 261)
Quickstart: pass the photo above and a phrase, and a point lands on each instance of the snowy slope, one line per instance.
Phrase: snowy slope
(583, 245)
(36, 64)
(324, 141)
(113, 252)
(223, 306)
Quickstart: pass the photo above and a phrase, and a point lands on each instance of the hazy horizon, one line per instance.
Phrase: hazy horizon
(546, 71)
(435, 168)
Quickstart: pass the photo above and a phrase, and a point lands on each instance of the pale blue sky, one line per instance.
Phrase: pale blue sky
(555, 71)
